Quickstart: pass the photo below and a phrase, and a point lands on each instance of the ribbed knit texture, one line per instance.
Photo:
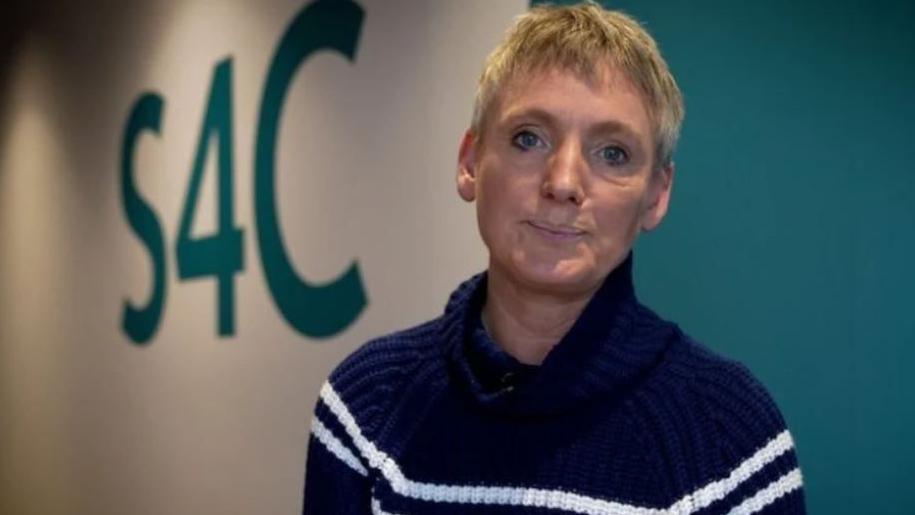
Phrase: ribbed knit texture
(626, 415)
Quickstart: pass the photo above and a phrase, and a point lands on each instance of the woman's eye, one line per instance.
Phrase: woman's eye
(614, 155)
(526, 140)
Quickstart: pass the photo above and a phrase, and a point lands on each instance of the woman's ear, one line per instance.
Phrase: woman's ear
(466, 170)
(659, 197)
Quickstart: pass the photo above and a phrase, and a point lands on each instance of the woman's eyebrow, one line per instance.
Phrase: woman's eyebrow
(615, 127)
(543, 116)
(534, 114)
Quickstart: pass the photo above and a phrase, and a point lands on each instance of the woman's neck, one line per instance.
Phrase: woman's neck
(527, 325)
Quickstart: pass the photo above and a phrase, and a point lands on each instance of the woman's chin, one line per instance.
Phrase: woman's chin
(561, 277)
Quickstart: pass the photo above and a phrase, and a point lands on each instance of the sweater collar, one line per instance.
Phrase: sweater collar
(600, 355)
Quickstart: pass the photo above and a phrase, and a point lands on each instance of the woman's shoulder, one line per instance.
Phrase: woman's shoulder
(712, 411)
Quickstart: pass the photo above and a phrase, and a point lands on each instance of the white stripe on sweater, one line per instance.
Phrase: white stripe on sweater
(720, 489)
(768, 495)
(336, 447)
(538, 497)
(377, 510)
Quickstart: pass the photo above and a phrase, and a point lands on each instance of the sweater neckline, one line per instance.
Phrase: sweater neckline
(600, 355)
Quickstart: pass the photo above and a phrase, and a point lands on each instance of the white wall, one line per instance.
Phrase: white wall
(192, 423)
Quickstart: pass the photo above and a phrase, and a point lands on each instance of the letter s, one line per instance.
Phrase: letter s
(140, 324)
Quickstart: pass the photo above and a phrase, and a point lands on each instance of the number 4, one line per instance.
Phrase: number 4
(219, 254)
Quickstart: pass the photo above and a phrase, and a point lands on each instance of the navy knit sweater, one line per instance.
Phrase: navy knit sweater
(626, 415)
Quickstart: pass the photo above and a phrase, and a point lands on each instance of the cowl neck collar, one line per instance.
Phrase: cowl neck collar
(604, 352)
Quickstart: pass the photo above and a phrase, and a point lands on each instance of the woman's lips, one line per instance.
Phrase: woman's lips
(556, 232)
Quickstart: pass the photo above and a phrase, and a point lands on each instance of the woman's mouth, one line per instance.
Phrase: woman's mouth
(556, 232)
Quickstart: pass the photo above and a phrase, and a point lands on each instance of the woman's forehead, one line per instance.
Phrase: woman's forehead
(557, 94)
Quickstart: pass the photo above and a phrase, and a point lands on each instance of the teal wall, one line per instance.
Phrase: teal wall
(790, 243)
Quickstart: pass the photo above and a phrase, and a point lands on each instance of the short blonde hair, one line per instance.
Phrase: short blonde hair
(582, 38)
